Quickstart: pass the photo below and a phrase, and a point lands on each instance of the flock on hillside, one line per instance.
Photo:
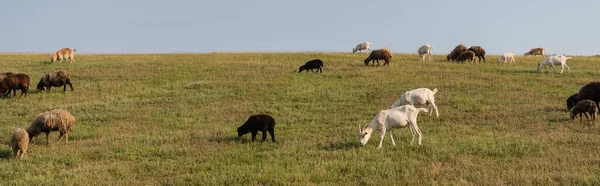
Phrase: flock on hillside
(402, 113)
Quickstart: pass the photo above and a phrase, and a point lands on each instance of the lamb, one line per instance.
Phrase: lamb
(507, 56)
(312, 64)
(362, 46)
(535, 52)
(19, 142)
(585, 107)
(572, 100)
(388, 119)
(18, 81)
(255, 123)
(417, 97)
(55, 79)
(425, 50)
(479, 52)
(456, 52)
(53, 120)
(384, 54)
(467, 55)
(64, 53)
(555, 60)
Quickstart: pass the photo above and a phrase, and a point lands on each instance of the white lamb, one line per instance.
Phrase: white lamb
(386, 120)
(555, 60)
(425, 50)
(507, 56)
(362, 46)
(416, 97)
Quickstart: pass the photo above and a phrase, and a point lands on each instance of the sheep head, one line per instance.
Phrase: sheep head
(364, 134)
(242, 130)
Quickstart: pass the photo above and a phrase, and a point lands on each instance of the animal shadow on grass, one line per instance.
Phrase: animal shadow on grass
(562, 115)
(225, 139)
(5, 154)
(341, 146)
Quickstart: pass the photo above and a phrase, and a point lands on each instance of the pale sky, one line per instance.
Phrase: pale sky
(198, 26)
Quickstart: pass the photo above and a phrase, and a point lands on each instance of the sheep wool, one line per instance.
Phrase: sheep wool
(19, 142)
(53, 120)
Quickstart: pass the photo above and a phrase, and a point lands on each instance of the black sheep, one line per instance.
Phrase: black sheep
(312, 64)
(590, 91)
(255, 123)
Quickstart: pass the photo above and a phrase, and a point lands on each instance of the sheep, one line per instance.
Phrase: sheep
(417, 97)
(4, 88)
(62, 54)
(53, 120)
(555, 60)
(18, 81)
(255, 123)
(19, 142)
(55, 79)
(572, 100)
(456, 52)
(535, 52)
(467, 55)
(362, 46)
(386, 120)
(312, 64)
(384, 54)
(507, 56)
(425, 50)
(584, 107)
(590, 91)
(479, 52)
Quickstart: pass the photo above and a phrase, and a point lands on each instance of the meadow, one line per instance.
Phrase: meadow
(171, 119)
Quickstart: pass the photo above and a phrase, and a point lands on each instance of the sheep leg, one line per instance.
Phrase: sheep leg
(413, 124)
(381, 141)
(392, 138)
(565, 65)
(553, 67)
(264, 136)
(412, 134)
(47, 138)
(432, 104)
(272, 133)
(71, 86)
(22, 154)
(253, 135)
(586, 116)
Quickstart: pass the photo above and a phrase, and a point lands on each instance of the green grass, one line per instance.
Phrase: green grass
(171, 119)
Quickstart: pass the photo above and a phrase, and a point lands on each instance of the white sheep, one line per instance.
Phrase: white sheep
(416, 97)
(507, 56)
(425, 50)
(388, 119)
(362, 46)
(555, 60)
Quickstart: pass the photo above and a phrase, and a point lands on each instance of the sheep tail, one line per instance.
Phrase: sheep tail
(434, 90)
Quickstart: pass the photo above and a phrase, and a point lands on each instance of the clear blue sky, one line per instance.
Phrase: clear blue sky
(159, 26)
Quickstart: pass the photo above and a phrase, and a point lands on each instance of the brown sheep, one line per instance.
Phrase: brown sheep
(4, 88)
(18, 82)
(55, 79)
(479, 52)
(384, 54)
(54, 120)
(63, 54)
(467, 55)
(19, 142)
(535, 52)
(585, 107)
(456, 52)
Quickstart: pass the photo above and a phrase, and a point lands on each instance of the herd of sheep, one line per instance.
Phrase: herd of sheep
(400, 114)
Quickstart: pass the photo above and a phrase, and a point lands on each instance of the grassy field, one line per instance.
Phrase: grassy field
(171, 119)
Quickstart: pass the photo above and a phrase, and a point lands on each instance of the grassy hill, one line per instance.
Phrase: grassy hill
(161, 119)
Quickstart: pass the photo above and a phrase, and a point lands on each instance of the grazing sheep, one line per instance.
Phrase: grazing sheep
(383, 54)
(535, 52)
(585, 107)
(479, 52)
(362, 46)
(456, 52)
(255, 123)
(425, 50)
(18, 82)
(418, 97)
(467, 55)
(507, 56)
(19, 142)
(555, 60)
(53, 120)
(312, 64)
(572, 100)
(4, 88)
(55, 79)
(590, 91)
(64, 53)
(386, 120)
